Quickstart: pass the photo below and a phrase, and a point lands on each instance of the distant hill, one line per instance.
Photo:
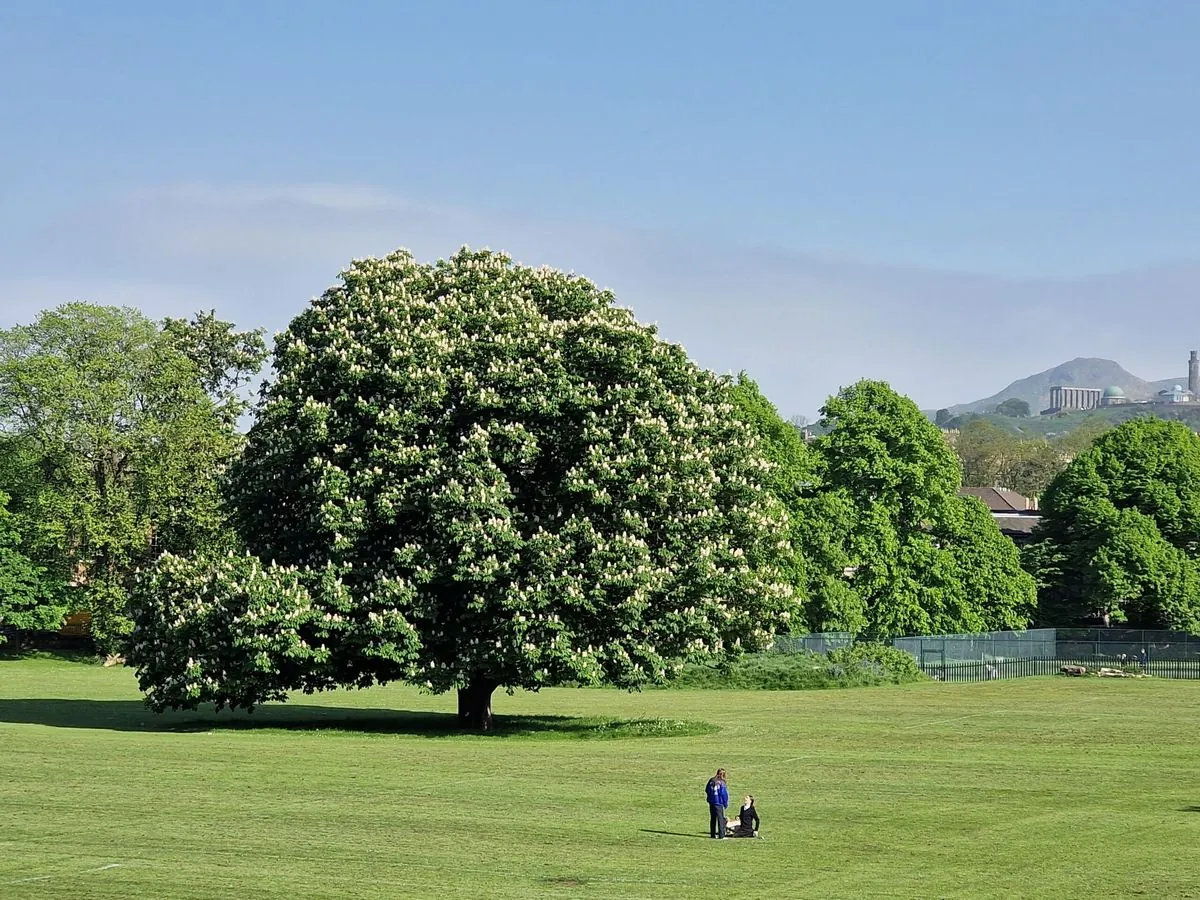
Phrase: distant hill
(1081, 372)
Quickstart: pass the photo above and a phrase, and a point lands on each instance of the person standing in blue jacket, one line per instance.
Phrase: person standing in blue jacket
(718, 800)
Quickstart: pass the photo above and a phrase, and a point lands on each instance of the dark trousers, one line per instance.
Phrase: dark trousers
(716, 820)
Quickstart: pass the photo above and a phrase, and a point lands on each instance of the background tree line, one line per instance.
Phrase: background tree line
(114, 434)
(992, 456)
(119, 433)
(473, 475)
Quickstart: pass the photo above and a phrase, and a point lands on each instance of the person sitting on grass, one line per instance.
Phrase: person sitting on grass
(745, 823)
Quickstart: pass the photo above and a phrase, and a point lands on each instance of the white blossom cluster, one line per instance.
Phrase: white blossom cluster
(479, 469)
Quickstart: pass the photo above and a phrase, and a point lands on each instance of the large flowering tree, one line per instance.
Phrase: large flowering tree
(471, 475)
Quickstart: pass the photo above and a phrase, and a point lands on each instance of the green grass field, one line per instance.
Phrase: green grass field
(1057, 788)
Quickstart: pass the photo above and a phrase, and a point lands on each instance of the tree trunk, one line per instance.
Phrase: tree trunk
(475, 704)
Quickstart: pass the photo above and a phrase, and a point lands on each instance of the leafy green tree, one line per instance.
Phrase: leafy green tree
(822, 531)
(1082, 436)
(817, 520)
(1120, 531)
(113, 450)
(479, 475)
(1014, 407)
(942, 418)
(28, 599)
(983, 449)
(226, 360)
(989, 591)
(914, 547)
(961, 421)
(995, 457)
(789, 479)
(1031, 466)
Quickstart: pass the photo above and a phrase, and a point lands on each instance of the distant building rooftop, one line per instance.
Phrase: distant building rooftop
(1001, 500)
(1017, 528)
(1016, 516)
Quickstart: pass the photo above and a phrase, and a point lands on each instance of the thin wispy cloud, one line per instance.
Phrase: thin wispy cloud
(333, 197)
(803, 325)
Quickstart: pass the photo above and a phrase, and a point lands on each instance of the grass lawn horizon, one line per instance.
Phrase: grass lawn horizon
(1041, 787)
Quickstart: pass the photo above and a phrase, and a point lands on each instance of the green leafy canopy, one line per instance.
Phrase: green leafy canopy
(1120, 530)
(112, 446)
(28, 600)
(919, 558)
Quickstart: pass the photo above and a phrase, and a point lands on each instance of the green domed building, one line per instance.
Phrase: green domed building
(1113, 396)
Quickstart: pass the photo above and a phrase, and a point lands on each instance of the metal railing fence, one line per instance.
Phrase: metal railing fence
(822, 642)
(1036, 643)
(1037, 651)
(1023, 668)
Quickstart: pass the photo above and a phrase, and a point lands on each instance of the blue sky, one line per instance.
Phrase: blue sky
(949, 195)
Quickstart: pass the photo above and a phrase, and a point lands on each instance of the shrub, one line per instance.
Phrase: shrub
(889, 663)
(861, 665)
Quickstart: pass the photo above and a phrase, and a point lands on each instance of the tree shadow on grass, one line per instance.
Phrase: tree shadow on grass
(132, 715)
(1189, 809)
(9, 653)
(693, 834)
